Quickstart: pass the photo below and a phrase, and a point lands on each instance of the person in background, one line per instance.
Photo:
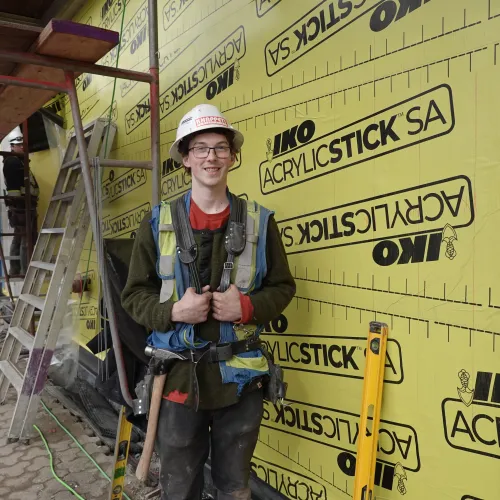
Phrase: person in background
(13, 172)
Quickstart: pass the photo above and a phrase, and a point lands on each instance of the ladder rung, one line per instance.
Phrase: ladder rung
(71, 163)
(12, 279)
(12, 374)
(53, 230)
(64, 196)
(23, 336)
(40, 264)
(32, 300)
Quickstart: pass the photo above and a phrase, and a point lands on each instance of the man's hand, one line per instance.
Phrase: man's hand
(192, 308)
(227, 306)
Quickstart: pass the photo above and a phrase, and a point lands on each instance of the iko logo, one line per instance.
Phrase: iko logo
(390, 11)
(384, 474)
(224, 81)
(421, 118)
(318, 25)
(413, 249)
(337, 356)
(338, 429)
(289, 483)
(386, 253)
(472, 422)
(264, 6)
(287, 140)
(136, 30)
(428, 207)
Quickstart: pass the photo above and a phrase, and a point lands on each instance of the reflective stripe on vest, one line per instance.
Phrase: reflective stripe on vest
(167, 252)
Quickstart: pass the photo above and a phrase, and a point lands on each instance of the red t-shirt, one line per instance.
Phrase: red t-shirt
(200, 220)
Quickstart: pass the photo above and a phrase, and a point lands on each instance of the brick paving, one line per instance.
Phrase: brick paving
(25, 469)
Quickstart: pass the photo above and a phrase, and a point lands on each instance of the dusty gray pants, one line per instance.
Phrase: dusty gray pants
(185, 438)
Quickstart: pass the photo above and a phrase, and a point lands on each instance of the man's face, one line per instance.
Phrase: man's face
(16, 148)
(210, 171)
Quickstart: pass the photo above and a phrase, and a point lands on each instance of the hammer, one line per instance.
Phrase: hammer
(154, 410)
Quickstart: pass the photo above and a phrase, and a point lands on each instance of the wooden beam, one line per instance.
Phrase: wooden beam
(60, 38)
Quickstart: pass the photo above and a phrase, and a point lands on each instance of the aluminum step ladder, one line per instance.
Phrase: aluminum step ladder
(55, 257)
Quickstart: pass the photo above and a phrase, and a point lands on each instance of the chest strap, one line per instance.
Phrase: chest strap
(234, 241)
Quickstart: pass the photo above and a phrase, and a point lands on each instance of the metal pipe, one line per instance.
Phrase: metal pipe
(89, 190)
(74, 66)
(147, 165)
(27, 191)
(16, 25)
(34, 84)
(154, 98)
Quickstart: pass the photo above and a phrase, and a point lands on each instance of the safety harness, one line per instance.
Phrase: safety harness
(238, 351)
(187, 251)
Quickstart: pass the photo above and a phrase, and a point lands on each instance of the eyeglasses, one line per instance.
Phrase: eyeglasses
(202, 152)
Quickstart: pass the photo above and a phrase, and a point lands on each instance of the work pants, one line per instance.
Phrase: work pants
(185, 438)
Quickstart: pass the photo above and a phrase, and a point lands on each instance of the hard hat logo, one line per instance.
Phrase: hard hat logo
(211, 120)
(200, 118)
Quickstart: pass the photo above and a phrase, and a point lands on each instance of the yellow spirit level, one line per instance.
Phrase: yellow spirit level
(370, 411)
(122, 447)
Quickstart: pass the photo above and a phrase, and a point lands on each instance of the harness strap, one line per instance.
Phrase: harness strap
(186, 245)
(235, 239)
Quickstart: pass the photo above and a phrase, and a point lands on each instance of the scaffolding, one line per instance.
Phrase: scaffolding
(70, 67)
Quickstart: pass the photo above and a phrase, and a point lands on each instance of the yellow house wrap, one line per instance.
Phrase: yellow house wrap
(372, 129)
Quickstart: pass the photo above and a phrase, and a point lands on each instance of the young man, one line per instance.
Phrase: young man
(214, 400)
(13, 172)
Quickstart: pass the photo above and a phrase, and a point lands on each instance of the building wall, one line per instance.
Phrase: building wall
(371, 128)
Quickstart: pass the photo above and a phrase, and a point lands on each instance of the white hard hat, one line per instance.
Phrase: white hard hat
(202, 117)
(17, 140)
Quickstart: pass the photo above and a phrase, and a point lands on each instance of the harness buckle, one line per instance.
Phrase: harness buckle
(228, 265)
(221, 352)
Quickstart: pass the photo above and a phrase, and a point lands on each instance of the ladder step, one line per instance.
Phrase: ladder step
(12, 279)
(32, 300)
(40, 264)
(64, 196)
(23, 336)
(53, 230)
(12, 374)
(71, 163)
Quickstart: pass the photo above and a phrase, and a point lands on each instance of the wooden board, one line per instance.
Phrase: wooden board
(60, 38)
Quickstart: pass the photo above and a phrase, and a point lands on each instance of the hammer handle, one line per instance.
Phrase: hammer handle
(154, 412)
